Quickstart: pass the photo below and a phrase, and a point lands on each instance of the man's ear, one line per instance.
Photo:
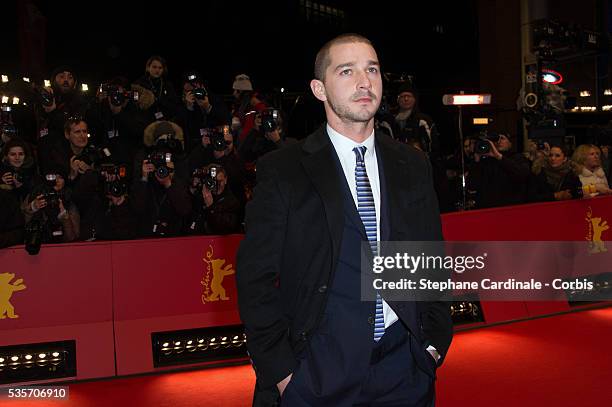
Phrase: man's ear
(67, 135)
(318, 90)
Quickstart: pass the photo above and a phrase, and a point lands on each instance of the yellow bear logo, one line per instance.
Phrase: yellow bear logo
(213, 290)
(6, 292)
(596, 228)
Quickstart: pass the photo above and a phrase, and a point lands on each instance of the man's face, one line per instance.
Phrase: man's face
(78, 135)
(229, 140)
(504, 143)
(155, 69)
(352, 84)
(64, 81)
(221, 182)
(406, 101)
(16, 156)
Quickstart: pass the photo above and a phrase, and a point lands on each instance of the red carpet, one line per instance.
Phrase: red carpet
(561, 361)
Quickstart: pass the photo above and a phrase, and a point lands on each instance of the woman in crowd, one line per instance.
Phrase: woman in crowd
(588, 167)
(17, 171)
(554, 178)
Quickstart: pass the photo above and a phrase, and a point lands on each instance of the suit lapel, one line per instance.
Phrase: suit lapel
(320, 165)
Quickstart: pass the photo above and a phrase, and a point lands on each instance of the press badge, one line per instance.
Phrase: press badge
(159, 115)
(44, 132)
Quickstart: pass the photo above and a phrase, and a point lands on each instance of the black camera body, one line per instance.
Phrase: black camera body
(33, 236)
(199, 93)
(160, 160)
(118, 186)
(92, 155)
(217, 140)
(482, 144)
(22, 176)
(46, 98)
(270, 120)
(206, 179)
(116, 95)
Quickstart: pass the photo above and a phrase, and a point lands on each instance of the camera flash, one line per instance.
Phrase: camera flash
(84, 87)
(47, 83)
(4, 78)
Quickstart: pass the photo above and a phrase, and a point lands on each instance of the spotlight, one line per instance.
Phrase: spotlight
(47, 83)
(551, 77)
(585, 93)
(14, 358)
(42, 355)
(28, 357)
(608, 92)
(55, 354)
(5, 78)
(5, 100)
(84, 87)
(460, 100)
(15, 100)
(282, 90)
(26, 79)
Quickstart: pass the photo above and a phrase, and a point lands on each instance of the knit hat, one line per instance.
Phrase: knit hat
(242, 82)
(406, 87)
(60, 69)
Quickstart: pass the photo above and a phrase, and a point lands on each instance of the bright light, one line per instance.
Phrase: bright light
(14, 358)
(282, 90)
(55, 354)
(4, 78)
(28, 357)
(200, 340)
(481, 120)
(189, 342)
(459, 100)
(587, 108)
(177, 343)
(1, 360)
(5, 99)
(84, 87)
(47, 83)
(585, 93)
(551, 77)
(608, 92)
(15, 100)
(26, 79)
(42, 355)
(606, 107)
(165, 344)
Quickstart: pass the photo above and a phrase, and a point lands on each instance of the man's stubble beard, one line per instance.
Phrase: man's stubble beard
(346, 115)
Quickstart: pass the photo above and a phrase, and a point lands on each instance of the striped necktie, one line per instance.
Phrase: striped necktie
(367, 213)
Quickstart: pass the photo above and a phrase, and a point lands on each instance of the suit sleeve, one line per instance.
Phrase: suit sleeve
(257, 276)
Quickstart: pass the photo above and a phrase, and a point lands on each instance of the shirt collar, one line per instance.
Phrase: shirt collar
(344, 145)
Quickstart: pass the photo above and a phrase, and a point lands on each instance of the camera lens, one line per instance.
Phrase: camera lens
(162, 172)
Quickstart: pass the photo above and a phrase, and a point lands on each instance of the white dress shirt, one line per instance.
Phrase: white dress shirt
(344, 149)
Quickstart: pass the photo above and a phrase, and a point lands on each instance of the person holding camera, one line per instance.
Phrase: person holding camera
(156, 80)
(200, 110)
(411, 125)
(158, 194)
(18, 170)
(118, 121)
(554, 178)
(216, 210)
(247, 103)
(498, 175)
(267, 135)
(50, 211)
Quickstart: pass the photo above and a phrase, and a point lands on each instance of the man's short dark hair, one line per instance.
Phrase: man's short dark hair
(323, 59)
(71, 121)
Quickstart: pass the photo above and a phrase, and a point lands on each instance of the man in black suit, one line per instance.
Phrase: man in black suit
(312, 339)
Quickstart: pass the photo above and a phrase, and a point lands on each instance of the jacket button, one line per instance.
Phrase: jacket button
(322, 289)
(371, 320)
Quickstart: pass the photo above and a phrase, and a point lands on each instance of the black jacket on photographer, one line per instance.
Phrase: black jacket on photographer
(256, 145)
(120, 132)
(11, 220)
(500, 182)
(194, 120)
(221, 218)
(166, 100)
(116, 222)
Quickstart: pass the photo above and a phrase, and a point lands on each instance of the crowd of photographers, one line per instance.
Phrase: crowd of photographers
(143, 160)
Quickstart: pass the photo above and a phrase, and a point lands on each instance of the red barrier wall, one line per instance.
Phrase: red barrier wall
(83, 291)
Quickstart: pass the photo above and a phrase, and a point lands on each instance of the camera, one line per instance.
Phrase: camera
(482, 144)
(199, 93)
(270, 120)
(116, 95)
(116, 187)
(208, 179)
(22, 176)
(160, 160)
(217, 138)
(169, 142)
(92, 155)
(8, 130)
(33, 236)
(46, 98)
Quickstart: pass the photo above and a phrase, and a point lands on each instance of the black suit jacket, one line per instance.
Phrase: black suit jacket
(293, 236)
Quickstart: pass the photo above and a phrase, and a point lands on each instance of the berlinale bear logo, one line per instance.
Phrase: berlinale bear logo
(213, 290)
(596, 228)
(6, 292)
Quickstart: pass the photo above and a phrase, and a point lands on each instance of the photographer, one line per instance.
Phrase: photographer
(17, 171)
(11, 220)
(247, 103)
(50, 214)
(216, 209)
(200, 110)
(155, 80)
(57, 102)
(499, 176)
(554, 178)
(217, 146)
(413, 126)
(119, 123)
(267, 135)
(158, 194)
